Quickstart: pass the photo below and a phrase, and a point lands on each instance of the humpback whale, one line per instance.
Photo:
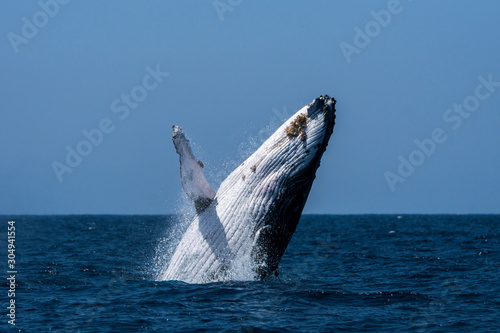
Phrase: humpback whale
(249, 221)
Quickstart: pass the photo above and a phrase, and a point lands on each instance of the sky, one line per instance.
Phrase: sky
(90, 91)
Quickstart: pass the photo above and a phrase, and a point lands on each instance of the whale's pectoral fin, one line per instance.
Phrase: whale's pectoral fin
(193, 180)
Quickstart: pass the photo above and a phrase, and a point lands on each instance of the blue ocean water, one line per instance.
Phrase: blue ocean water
(359, 273)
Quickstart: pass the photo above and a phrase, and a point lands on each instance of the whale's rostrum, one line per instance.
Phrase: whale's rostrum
(247, 224)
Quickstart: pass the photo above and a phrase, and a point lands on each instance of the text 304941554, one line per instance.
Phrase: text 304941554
(11, 272)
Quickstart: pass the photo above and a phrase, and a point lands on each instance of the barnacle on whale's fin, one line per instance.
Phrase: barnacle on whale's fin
(193, 179)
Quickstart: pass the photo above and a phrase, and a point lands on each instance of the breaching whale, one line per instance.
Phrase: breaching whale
(250, 220)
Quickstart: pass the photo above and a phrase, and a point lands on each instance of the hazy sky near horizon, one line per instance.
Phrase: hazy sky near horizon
(417, 85)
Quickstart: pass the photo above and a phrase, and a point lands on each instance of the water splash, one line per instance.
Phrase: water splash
(172, 235)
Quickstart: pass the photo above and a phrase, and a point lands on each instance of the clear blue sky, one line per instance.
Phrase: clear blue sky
(235, 68)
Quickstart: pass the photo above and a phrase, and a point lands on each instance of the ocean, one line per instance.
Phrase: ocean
(355, 273)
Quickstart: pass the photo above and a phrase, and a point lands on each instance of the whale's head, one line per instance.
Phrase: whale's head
(277, 178)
